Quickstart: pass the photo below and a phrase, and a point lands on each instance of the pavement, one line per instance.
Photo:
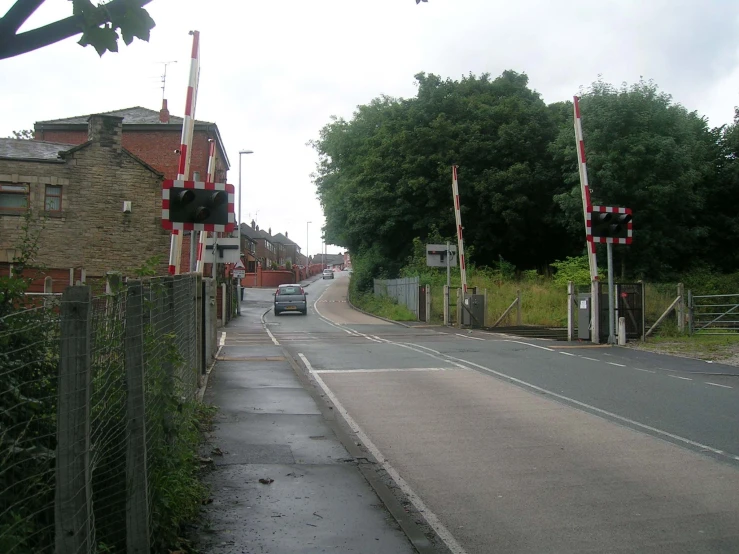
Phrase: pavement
(284, 478)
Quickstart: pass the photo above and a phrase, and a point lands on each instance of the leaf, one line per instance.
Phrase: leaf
(103, 39)
(135, 23)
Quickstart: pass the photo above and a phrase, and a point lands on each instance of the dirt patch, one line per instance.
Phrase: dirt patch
(718, 349)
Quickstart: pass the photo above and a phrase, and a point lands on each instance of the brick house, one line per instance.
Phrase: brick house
(248, 247)
(80, 190)
(291, 251)
(268, 251)
(155, 138)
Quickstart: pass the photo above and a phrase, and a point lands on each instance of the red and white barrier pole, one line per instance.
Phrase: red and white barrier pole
(210, 178)
(460, 241)
(585, 188)
(188, 125)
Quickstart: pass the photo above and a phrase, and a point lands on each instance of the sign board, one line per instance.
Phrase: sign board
(238, 274)
(227, 250)
(436, 255)
(239, 265)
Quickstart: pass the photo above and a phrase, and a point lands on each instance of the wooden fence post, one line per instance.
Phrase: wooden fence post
(681, 308)
(137, 497)
(570, 311)
(519, 316)
(74, 530)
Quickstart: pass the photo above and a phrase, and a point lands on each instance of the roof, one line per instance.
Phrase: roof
(136, 115)
(20, 149)
(282, 239)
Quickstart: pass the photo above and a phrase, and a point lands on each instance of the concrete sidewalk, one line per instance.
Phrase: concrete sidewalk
(282, 482)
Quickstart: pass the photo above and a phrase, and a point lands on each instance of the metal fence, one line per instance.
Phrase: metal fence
(404, 291)
(713, 314)
(97, 398)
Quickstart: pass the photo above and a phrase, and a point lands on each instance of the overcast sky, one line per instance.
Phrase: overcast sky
(274, 71)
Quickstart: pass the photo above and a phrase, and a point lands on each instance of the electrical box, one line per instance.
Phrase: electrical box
(436, 255)
(473, 311)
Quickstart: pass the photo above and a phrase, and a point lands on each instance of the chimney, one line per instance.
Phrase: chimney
(269, 232)
(105, 131)
(286, 235)
(164, 112)
(253, 223)
(257, 227)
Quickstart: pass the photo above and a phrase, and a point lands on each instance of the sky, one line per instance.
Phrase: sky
(274, 72)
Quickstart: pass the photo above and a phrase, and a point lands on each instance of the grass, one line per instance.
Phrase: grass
(716, 348)
(383, 307)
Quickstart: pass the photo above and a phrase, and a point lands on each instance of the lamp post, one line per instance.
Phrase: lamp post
(307, 252)
(238, 228)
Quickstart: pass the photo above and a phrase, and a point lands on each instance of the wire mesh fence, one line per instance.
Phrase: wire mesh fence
(97, 417)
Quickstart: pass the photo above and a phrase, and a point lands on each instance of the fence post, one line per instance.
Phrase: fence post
(460, 294)
(167, 330)
(690, 311)
(73, 497)
(428, 303)
(446, 305)
(137, 496)
(570, 311)
(681, 308)
(519, 318)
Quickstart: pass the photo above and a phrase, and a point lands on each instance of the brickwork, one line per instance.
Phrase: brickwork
(91, 231)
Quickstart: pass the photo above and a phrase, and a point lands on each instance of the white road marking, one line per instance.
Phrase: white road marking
(644, 370)
(223, 339)
(614, 363)
(678, 377)
(529, 344)
(578, 403)
(717, 385)
(567, 353)
(430, 517)
(388, 370)
(264, 324)
(591, 359)
(467, 337)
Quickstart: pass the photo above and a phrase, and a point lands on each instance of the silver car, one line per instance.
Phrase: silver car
(328, 274)
(291, 298)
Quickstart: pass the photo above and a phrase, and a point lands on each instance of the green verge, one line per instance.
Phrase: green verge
(382, 306)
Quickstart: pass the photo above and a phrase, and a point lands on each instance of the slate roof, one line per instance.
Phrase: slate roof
(282, 239)
(136, 115)
(19, 149)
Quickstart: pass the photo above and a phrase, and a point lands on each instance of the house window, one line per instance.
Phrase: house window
(13, 197)
(53, 198)
(48, 285)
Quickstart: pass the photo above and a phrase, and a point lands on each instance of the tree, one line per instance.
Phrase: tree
(23, 134)
(101, 26)
(649, 154)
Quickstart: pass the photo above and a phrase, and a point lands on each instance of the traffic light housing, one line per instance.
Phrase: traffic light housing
(197, 206)
(609, 224)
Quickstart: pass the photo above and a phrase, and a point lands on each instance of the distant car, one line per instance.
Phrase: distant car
(328, 274)
(291, 298)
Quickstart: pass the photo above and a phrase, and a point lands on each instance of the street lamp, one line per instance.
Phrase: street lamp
(238, 227)
(307, 252)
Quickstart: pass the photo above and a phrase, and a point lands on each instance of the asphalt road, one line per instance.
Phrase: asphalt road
(515, 445)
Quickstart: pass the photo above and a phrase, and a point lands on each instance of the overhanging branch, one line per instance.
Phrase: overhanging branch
(16, 44)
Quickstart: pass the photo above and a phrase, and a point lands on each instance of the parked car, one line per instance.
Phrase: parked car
(291, 298)
(328, 274)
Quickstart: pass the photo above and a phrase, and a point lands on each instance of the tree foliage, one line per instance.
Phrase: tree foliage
(384, 177)
(101, 26)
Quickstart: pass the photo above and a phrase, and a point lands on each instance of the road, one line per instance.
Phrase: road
(516, 445)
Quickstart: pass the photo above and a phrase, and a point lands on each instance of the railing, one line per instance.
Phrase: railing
(714, 314)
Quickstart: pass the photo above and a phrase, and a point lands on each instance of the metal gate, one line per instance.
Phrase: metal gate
(422, 303)
(629, 304)
(714, 314)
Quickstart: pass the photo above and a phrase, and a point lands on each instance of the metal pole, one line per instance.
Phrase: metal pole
(448, 280)
(307, 251)
(611, 308)
(238, 229)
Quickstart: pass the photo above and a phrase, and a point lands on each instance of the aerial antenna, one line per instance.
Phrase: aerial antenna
(164, 75)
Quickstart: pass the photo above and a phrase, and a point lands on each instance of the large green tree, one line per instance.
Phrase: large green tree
(649, 154)
(384, 177)
(100, 25)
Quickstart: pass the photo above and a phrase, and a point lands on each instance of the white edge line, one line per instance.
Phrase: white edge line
(644, 370)
(223, 339)
(264, 324)
(386, 370)
(430, 517)
(678, 377)
(467, 337)
(567, 353)
(591, 359)
(614, 363)
(583, 404)
(717, 385)
(529, 344)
